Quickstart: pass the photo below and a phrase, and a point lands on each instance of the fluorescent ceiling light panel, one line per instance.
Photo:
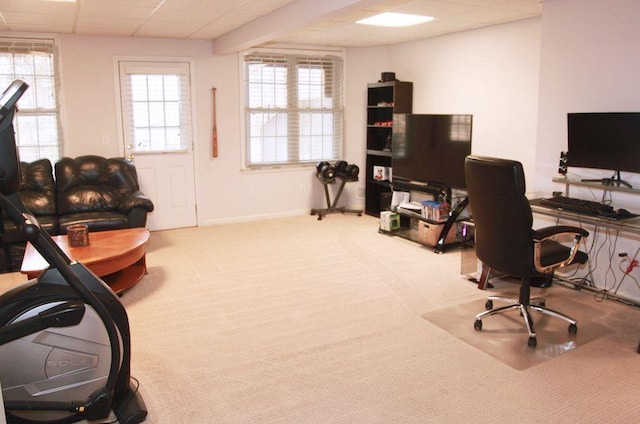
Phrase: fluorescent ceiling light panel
(395, 20)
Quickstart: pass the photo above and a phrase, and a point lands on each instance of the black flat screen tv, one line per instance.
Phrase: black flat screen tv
(606, 140)
(431, 149)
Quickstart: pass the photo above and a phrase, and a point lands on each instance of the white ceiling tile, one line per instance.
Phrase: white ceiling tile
(437, 9)
(210, 19)
(116, 13)
(15, 18)
(488, 16)
(37, 6)
(98, 26)
(222, 25)
(161, 29)
(47, 28)
(259, 7)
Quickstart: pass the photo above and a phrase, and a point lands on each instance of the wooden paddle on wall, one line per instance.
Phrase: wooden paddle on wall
(214, 140)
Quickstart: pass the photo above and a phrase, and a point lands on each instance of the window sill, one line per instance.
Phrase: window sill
(272, 169)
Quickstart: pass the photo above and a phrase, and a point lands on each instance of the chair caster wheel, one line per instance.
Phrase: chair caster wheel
(489, 305)
(533, 342)
(573, 328)
(477, 325)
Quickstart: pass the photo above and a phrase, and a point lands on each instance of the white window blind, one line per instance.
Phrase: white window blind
(156, 106)
(461, 128)
(37, 125)
(293, 108)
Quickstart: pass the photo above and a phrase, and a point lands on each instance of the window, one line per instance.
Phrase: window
(156, 106)
(461, 128)
(293, 108)
(37, 126)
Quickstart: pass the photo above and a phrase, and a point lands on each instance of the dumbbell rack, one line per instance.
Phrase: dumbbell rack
(332, 207)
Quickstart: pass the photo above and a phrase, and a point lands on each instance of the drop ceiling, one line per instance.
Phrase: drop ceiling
(233, 25)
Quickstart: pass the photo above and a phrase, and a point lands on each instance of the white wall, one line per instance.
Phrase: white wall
(491, 73)
(520, 79)
(226, 194)
(363, 66)
(590, 63)
(223, 192)
(88, 86)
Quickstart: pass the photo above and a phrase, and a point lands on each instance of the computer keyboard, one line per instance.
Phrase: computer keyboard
(580, 206)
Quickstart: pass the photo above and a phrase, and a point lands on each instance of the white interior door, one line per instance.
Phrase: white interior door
(168, 180)
(156, 122)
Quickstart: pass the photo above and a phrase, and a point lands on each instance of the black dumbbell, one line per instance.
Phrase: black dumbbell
(321, 165)
(325, 171)
(347, 171)
(352, 170)
(340, 166)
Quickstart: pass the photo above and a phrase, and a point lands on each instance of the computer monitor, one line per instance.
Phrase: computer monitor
(604, 140)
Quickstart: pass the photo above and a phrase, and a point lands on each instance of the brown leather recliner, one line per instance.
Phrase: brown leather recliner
(38, 194)
(102, 193)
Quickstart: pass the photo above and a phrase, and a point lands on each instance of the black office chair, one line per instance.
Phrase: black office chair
(506, 242)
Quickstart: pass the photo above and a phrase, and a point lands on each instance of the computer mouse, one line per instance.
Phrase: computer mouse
(609, 214)
(623, 212)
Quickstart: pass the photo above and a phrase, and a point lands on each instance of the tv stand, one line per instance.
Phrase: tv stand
(437, 191)
(453, 218)
(441, 193)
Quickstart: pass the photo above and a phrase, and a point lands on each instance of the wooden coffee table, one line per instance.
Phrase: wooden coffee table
(117, 256)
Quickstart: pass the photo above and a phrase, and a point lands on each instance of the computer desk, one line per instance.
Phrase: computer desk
(622, 226)
(629, 226)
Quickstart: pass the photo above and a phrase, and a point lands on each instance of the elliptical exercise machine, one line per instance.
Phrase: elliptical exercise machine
(65, 345)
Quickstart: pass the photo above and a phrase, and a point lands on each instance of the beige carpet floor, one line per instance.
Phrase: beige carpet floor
(505, 337)
(303, 321)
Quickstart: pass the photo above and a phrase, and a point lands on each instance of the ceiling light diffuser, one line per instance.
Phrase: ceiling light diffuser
(390, 19)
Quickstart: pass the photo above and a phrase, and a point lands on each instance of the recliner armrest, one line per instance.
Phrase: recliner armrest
(558, 230)
(137, 199)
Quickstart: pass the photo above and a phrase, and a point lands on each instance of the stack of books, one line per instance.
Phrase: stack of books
(435, 211)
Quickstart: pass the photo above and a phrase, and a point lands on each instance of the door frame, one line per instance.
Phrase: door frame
(119, 116)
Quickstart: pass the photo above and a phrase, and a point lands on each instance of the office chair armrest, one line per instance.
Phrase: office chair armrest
(557, 231)
(552, 234)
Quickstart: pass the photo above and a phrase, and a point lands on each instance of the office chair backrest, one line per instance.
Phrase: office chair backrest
(501, 214)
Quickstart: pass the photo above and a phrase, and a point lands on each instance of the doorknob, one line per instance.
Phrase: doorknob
(130, 155)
